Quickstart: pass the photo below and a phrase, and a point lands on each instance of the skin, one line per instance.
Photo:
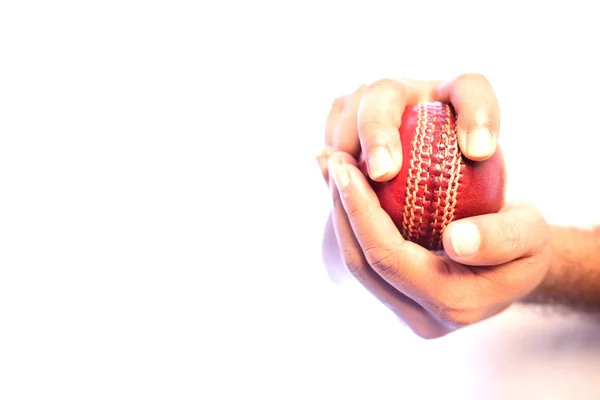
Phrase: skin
(488, 262)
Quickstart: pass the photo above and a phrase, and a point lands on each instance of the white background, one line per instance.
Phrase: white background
(162, 215)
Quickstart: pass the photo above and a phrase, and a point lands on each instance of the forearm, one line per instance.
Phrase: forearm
(573, 279)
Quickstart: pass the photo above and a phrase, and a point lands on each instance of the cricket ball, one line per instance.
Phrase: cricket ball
(437, 184)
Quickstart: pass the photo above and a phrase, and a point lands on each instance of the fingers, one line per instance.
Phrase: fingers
(332, 118)
(406, 266)
(476, 105)
(411, 313)
(448, 291)
(379, 118)
(515, 232)
(345, 132)
(341, 132)
(322, 159)
(350, 250)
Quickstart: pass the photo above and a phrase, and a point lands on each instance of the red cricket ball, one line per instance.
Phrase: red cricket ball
(437, 184)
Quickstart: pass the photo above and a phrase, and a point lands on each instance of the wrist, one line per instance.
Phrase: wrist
(573, 276)
(543, 292)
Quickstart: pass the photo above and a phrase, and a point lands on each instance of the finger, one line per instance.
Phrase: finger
(345, 132)
(411, 313)
(406, 266)
(515, 232)
(350, 250)
(476, 105)
(332, 118)
(322, 159)
(379, 117)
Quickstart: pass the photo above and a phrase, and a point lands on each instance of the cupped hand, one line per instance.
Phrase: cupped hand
(488, 262)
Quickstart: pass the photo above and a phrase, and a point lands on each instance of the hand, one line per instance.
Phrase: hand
(488, 261)
(368, 120)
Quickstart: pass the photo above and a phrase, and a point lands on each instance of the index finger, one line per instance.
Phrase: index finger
(405, 265)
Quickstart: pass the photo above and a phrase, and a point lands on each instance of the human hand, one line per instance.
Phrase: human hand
(488, 261)
(367, 120)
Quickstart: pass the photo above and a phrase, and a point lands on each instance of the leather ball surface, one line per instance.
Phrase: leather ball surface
(437, 184)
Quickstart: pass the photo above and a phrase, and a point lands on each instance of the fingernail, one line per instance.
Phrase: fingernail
(380, 162)
(465, 239)
(322, 162)
(340, 176)
(479, 143)
(322, 157)
(324, 153)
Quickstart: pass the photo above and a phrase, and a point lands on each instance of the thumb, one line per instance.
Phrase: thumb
(518, 230)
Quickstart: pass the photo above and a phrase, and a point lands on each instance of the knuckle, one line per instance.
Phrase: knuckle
(377, 108)
(512, 235)
(382, 260)
(353, 261)
(544, 234)
(472, 78)
(526, 230)
(353, 213)
(539, 228)
(361, 90)
(382, 84)
(480, 111)
(369, 125)
(342, 102)
(338, 104)
(481, 108)
(390, 87)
